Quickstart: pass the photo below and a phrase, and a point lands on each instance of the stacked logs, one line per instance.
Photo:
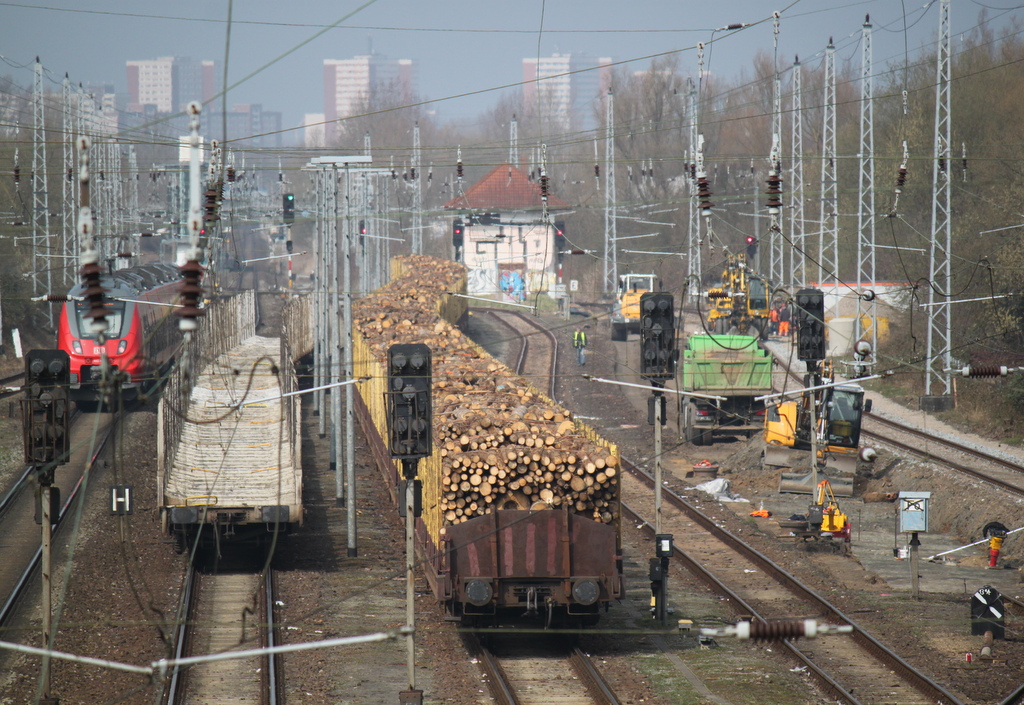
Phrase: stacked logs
(502, 444)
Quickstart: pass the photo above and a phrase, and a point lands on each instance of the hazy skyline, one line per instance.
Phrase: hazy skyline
(467, 52)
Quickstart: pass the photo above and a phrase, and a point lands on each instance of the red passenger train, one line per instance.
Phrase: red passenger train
(141, 339)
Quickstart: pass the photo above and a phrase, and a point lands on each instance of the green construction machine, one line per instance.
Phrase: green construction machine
(731, 366)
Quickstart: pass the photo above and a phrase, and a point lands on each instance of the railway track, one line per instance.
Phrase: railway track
(521, 671)
(1002, 472)
(22, 551)
(537, 359)
(221, 611)
(853, 669)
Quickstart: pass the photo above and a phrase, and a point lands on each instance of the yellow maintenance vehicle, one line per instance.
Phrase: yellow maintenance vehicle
(740, 304)
(819, 429)
(824, 520)
(827, 418)
(625, 313)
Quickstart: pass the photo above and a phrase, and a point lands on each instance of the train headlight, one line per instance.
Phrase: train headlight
(586, 591)
(479, 592)
(76, 346)
(122, 346)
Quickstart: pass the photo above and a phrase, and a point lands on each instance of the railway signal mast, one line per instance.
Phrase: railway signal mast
(658, 356)
(410, 431)
(46, 427)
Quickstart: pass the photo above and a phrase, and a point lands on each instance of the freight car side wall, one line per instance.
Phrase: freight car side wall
(427, 286)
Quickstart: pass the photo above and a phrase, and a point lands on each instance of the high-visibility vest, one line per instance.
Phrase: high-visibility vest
(579, 339)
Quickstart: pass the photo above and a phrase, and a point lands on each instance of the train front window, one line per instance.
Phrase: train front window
(844, 414)
(114, 310)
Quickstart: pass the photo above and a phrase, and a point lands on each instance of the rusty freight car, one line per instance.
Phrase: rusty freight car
(520, 501)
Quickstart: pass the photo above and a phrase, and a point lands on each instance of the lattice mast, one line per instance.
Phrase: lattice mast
(69, 239)
(797, 232)
(828, 233)
(776, 273)
(42, 262)
(693, 249)
(866, 191)
(417, 194)
(774, 203)
(937, 378)
(611, 264)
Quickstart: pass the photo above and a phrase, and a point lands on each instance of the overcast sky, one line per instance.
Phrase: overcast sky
(475, 47)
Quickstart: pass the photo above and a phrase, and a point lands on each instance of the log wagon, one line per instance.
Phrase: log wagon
(520, 501)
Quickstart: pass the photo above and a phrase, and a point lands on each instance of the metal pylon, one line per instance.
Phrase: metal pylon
(611, 264)
(937, 377)
(866, 192)
(693, 249)
(828, 233)
(797, 233)
(417, 194)
(42, 262)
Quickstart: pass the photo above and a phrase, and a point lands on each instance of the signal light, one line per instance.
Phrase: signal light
(657, 336)
(810, 324)
(560, 239)
(410, 433)
(458, 233)
(751, 248)
(45, 418)
(288, 207)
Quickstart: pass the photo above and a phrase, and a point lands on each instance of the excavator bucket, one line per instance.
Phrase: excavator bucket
(803, 481)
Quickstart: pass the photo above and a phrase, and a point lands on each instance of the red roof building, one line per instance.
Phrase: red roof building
(505, 188)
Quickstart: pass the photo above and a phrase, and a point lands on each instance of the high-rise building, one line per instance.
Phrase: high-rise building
(563, 89)
(351, 84)
(169, 83)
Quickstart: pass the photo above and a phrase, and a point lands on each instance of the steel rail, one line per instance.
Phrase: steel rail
(497, 681)
(743, 607)
(939, 441)
(592, 678)
(177, 679)
(7, 610)
(919, 681)
(521, 361)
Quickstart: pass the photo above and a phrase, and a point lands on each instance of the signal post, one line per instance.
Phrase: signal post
(410, 436)
(658, 357)
(45, 431)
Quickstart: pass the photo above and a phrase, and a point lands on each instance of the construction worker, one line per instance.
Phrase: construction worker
(784, 317)
(579, 341)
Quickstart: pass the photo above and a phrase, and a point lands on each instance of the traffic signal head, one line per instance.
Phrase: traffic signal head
(288, 207)
(408, 399)
(751, 248)
(560, 239)
(658, 352)
(458, 233)
(809, 315)
(45, 417)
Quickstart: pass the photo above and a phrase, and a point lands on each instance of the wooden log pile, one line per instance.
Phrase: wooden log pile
(502, 443)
